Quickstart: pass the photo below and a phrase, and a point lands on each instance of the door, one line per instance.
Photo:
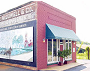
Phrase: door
(61, 49)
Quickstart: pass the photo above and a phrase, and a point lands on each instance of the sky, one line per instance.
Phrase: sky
(77, 8)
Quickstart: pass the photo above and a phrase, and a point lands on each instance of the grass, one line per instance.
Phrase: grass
(82, 55)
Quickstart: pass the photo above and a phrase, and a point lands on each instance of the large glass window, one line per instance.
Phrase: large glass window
(49, 50)
(52, 50)
(61, 42)
(69, 46)
(66, 48)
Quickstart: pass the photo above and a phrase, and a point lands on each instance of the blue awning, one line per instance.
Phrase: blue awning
(55, 32)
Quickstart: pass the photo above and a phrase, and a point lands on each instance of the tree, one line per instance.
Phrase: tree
(64, 53)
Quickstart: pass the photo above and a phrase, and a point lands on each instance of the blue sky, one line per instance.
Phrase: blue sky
(80, 9)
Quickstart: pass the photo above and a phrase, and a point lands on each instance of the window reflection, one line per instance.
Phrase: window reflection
(49, 50)
(54, 50)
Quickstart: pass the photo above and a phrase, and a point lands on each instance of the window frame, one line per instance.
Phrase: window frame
(52, 52)
(68, 48)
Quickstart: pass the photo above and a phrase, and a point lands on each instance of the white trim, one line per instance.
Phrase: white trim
(68, 47)
(64, 46)
(47, 51)
(71, 50)
(69, 59)
(52, 49)
(57, 48)
(52, 62)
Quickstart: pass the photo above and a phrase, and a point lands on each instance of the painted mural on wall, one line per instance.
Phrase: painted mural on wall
(17, 44)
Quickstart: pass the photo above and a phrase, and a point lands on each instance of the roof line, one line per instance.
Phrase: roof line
(16, 8)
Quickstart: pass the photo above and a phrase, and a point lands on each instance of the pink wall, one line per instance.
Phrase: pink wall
(74, 53)
(53, 16)
(61, 49)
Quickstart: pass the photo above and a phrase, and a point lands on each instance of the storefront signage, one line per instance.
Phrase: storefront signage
(73, 49)
(13, 27)
(20, 15)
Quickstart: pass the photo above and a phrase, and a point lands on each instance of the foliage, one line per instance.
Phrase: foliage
(86, 48)
(83, 55)
(64, 53)
(49, 52)
(79, 48)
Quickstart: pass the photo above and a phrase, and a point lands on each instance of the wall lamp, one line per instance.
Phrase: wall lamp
(74, 42)
(44, 40)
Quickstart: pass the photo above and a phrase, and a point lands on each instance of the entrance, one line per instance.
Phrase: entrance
(61, 49)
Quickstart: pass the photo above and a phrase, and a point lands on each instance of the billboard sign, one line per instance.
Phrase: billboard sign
(17, 44)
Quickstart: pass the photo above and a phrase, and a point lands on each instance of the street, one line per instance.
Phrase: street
(84, 67)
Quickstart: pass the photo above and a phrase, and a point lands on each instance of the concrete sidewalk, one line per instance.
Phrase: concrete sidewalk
(64, 67)
(57, 68)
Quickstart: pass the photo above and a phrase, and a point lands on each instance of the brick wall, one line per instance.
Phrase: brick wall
(53, 16)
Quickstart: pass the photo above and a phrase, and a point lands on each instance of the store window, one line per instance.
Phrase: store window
(52, 50)
(49, 50)
(61, 42)
(68, 45)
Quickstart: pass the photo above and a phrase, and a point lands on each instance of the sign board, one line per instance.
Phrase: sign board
(23, 14)
(73, 49)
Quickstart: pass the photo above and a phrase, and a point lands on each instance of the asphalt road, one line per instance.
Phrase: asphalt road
(84, 67)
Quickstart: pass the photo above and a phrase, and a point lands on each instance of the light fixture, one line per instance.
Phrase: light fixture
(74, 42)
(44, 40)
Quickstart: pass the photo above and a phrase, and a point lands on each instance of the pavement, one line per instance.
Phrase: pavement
(56, 68)
(64, 67)
(79, 65)
(85, 66)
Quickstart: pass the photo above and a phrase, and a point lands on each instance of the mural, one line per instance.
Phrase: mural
(17, 44)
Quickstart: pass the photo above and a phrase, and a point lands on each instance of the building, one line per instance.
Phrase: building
(32, 34)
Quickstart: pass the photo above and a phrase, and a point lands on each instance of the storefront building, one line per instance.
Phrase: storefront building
(32, 34)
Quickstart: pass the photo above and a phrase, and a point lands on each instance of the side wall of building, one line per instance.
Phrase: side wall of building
(53, 16)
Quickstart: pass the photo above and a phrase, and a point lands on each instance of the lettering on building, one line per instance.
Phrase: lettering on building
(23, 14)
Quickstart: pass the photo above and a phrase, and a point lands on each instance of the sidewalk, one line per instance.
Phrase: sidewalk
(57, 68)
(83, 61)
(64, 67)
